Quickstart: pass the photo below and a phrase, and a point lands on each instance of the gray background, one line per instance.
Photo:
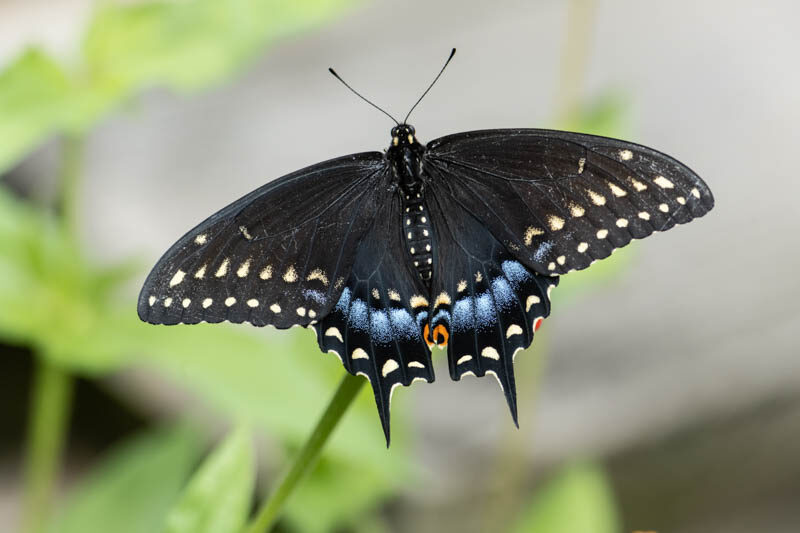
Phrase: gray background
(683, 374)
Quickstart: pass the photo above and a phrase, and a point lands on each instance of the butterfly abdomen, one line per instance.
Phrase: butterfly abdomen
(418, 234)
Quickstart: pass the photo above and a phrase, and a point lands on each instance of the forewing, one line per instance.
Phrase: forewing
(487, 300)
(277, 256)
(375, 327)
(561, 200)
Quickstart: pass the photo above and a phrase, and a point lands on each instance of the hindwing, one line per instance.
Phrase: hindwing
(483, 298)
(375, 327)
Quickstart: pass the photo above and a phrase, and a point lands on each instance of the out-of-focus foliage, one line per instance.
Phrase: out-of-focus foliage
(217, 499)
(579, 499)
(132, 489)
(180, 45)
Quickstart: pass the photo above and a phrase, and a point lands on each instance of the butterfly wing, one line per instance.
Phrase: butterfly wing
(375, 327)
(561, 200)
(486, 302)
(279, 255)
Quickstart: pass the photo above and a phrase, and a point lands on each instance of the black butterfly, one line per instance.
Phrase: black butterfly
(454, 244)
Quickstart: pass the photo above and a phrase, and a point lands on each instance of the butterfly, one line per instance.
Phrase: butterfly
(455, 244)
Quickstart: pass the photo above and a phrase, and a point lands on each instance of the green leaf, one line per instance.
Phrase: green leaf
(132, 489)
(34, 97)
(578, 499)
(184, 46)
(189, 45)
(217, 499)
(340, 491)
(606, 114)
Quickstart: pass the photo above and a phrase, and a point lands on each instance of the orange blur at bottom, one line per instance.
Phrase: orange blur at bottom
(440, 336)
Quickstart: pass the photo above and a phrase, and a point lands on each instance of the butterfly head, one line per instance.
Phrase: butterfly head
(403, 135)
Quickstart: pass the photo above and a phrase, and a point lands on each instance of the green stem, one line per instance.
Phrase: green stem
(73, 149)
(308, 455)
(51, 398)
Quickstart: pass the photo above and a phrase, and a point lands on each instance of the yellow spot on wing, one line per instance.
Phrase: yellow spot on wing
(318, 274)
(223, 268)
(201, 272)
(389, 367)
(530, 233)
(663, 182)
(200, 239)
(266, 272)
(625, 155)
(394, 295)
(532, 299)
(616, 190)
(275, 308)
(576, 210)
(442, 299)
(513, 329)
(418, 301)
(334, 332)
(638, 185)
(177, 278)
(290, 276)
(556, 223)
(244, 269)
(462, 285)
(252, 302)
(597, 199)
(490, 353)
(359, 353)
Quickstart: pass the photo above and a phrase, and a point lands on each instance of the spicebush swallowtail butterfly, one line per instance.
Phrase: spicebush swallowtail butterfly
(454, 244)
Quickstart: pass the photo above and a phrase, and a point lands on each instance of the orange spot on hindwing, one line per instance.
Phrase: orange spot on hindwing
(440, 336)
(537, 323)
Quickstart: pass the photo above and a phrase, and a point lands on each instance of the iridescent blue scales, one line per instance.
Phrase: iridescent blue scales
(455, 244)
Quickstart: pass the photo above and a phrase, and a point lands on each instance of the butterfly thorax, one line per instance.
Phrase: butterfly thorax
(405, 158)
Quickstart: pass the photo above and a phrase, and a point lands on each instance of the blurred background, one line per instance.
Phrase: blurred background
(663, 393)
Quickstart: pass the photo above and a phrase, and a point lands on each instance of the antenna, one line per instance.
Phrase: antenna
(361, 96)
(452, 53)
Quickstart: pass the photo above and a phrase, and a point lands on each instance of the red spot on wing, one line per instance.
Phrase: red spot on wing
(537, 323)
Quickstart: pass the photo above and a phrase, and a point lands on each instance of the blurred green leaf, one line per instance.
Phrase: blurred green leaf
(189, 45)
(579, 499)
(51, 298)
(283, 386)
(183, 46)
(132, 489)
(341, 491)
(606, 115)
(217, 499)
(34, 102)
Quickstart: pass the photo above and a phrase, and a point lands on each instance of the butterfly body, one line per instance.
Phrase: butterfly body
(456, 244)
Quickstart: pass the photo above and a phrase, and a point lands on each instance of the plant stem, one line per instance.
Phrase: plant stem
(51, 398)
(308, 455)
(71, 169)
